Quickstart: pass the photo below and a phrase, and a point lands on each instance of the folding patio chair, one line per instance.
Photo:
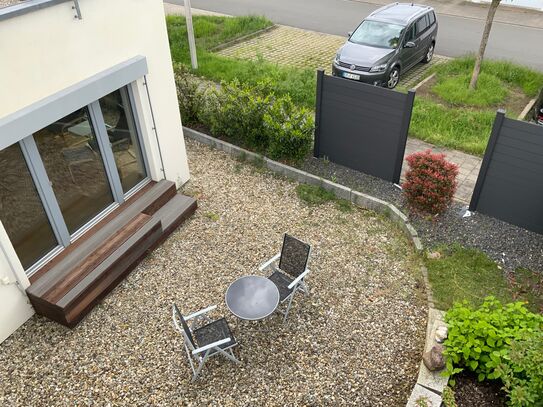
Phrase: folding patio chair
(208, 340)
(289, 275)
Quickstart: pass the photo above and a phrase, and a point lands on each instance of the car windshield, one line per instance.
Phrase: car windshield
(377, 34)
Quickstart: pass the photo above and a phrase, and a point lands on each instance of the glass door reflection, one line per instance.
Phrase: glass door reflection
(21, 209)
(73, 162)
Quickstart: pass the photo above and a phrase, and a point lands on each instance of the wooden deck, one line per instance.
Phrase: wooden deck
(69, 286)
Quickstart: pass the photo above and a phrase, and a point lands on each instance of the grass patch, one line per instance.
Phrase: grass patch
(313, 195)
(469, 274)
(212, 31)
(527, 79)
(460, 129)
(455, 89)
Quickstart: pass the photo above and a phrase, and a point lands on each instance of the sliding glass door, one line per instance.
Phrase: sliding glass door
(59, 181)
(74, 165)
(123, 136)
(21, 209)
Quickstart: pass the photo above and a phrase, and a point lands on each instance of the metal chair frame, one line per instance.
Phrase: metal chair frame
(298, 284)
(201, 354)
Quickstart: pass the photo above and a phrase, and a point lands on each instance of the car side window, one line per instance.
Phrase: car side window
(422, 24)
(432, 17)
(410, 34)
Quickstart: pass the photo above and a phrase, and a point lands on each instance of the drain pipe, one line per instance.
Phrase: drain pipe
(154, 125)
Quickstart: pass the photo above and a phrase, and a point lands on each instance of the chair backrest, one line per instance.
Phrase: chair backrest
(294, 256)
(184, 328)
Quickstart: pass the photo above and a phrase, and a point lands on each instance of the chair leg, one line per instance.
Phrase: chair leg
(229, 355)
(195, 375)
(288, 307)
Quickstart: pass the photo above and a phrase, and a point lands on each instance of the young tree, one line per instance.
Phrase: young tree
(486, 32)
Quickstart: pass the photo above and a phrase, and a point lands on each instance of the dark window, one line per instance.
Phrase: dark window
(422, 24)
(432, 17)
(410, 34)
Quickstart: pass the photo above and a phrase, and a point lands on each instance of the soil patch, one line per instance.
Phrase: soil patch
(469, 392)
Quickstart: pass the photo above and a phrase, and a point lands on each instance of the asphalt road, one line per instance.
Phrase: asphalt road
(457, 35)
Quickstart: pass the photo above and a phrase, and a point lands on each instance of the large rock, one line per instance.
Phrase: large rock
(434, 358)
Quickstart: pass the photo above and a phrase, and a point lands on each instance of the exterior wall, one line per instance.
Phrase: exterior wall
(48, 50)
(15, 308)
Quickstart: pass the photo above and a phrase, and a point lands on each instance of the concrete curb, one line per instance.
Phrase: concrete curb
(357, 198)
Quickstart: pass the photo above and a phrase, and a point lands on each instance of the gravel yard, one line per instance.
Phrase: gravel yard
(510, 245)
(356, 340)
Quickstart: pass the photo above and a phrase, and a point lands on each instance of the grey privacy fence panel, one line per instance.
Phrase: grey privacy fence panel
(362, 126)
(510, 183)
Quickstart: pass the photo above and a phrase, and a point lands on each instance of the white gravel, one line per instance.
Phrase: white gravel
(356, 340)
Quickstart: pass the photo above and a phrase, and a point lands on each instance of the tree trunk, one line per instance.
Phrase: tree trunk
(486, 33)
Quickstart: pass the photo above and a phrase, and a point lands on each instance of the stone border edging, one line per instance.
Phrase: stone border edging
(526, 109)
(243, 38)
(358, 198)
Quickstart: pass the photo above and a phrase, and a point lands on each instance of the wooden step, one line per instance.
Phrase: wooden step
(88, 271)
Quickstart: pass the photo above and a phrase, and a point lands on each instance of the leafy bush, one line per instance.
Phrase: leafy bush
(522, 375)
(187, 93)
(241, 113)
(496, 342)
(289, 130)
(430, 182)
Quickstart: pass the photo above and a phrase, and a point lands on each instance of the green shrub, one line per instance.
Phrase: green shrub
(289, 129)
(187, 93)
(455, 89)
(241, 115)
(522, 375)
(496, 341)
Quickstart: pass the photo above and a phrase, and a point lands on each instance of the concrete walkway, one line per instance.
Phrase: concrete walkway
(310, 49)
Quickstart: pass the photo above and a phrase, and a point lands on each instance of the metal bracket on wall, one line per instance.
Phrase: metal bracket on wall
(77, 10)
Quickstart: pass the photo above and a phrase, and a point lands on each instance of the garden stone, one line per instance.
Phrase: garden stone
(441, 334)
(434, 358)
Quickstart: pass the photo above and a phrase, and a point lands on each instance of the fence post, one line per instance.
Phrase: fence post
(318, 102)
(496, 128)
(404, 132)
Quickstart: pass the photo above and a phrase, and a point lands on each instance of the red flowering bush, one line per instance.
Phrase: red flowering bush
(430, 182)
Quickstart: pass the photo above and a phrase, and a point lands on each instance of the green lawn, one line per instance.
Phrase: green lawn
(469, 274)
(464, 119)
(212, 31)
(460, 128)
(465, 126)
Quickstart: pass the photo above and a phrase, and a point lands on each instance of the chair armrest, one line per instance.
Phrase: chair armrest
(298, 279)
(210, 346)
(201, 312)
(270, 261)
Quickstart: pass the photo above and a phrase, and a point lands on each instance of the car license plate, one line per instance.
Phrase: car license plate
(351, 76)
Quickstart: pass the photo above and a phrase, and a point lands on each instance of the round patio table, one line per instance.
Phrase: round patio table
(252, 297)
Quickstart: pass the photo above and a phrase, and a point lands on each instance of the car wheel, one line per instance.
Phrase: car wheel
(429, 54)
(393, 78)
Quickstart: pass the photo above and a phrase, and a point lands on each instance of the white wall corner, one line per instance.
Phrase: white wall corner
(15, 308)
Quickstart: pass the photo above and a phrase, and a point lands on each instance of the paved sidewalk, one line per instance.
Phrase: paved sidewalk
(468, 171)
(310, 49)
(506, 13)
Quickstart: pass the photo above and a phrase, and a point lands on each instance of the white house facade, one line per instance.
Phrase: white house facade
(88, 118)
